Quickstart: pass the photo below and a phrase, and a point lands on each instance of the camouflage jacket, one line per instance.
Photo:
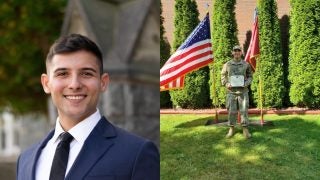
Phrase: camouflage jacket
(232, 68)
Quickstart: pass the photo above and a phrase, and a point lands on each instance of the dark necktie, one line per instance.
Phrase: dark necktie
(60, 160)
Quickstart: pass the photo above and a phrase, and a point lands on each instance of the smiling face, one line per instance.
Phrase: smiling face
(237, 54)
(74, 81)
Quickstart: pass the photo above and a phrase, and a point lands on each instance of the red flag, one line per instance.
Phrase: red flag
(194, 53)
(253, 49)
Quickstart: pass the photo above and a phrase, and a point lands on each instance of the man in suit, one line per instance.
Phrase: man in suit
(84, 145)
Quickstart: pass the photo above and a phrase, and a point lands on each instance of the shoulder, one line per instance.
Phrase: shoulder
(245, 62)
(125, 135)
(31, 149)
(133, 144)
(27, 157)
(137, 145)
(35, 147)
(126, 139)
(144, 153)
(131, 153)
(130, 140)
(26, 154)
(227, 64)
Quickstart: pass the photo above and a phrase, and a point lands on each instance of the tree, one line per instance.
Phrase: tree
(224, 37)
(195, 93)
(270, 57)
(164, 55)
(27, 28)
(304, 66)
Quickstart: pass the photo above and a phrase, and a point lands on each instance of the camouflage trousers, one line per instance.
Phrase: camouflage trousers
(237, 102)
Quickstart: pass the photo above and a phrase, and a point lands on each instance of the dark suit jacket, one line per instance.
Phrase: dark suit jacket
(108, 153)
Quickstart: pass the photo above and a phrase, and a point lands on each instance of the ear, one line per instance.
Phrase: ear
(44, 82)
(104, 82)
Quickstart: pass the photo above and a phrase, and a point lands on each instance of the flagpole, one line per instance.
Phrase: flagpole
(216, 116)
(216, 119)
(260, 92)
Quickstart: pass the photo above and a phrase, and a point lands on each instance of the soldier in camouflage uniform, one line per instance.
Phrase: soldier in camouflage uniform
(236, 76)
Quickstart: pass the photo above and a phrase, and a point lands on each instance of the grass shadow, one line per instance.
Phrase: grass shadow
(200, 122)
(194, 123)
(287, 150)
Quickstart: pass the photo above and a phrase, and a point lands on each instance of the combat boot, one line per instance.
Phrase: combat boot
(246, 133)
(230, 133)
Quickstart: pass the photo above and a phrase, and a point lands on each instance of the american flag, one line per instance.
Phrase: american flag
(194, 53)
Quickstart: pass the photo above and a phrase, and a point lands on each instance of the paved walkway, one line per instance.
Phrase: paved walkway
(251, 111)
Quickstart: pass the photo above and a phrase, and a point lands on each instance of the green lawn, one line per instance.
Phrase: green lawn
(288, 150)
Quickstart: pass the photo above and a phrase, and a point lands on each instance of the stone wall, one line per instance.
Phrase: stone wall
(128, 34)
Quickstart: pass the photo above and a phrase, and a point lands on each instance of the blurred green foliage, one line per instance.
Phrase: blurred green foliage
(27, 29)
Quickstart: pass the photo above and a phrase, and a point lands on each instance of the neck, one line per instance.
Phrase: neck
(68, 124)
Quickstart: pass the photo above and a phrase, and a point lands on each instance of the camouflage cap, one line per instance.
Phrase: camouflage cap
(237, 47)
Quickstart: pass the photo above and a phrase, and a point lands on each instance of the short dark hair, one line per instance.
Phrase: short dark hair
(73, 43)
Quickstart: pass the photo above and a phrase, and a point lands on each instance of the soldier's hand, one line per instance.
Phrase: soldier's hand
(228, 85)
(246, 84)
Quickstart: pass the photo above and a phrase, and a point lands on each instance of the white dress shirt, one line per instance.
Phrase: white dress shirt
(80, 132)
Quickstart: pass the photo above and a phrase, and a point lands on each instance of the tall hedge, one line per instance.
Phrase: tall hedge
(164, 55)
(304, 66)
(195, 93)
(224, 37)
(270, 56)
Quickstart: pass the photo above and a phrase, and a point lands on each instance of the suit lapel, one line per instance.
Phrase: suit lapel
(30, 172)
(95, 146)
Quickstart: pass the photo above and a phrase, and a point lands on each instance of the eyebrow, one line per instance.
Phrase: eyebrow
(89, 69)
(82, 69)
(60, 69)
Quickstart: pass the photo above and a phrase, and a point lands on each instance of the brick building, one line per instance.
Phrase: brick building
(244, 15)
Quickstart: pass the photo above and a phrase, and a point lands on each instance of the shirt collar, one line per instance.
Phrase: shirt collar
(81, 131)
(58, 130)
(236, 62)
